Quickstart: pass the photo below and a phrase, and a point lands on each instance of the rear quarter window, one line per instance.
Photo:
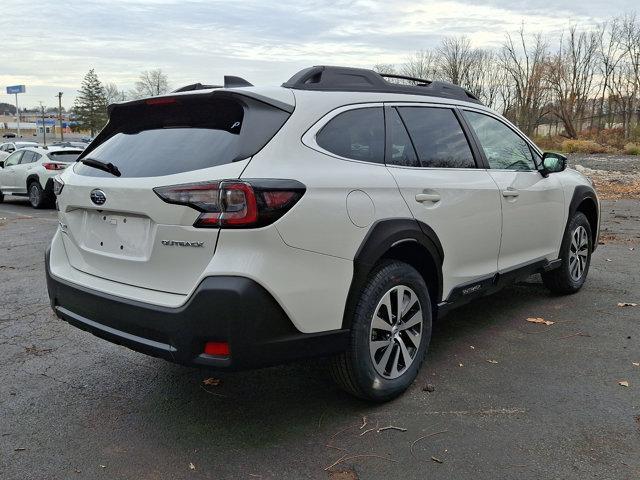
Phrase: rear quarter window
(356, 134)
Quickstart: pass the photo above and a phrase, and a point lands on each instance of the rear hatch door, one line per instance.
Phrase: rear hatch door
(117, 227)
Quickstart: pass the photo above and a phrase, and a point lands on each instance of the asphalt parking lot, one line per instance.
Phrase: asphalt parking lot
(498, 397)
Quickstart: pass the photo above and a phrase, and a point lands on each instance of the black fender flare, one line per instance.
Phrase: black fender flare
(580, 194)
(30, 178)
(382, 236)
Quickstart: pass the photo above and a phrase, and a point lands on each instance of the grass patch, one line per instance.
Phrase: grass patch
(632, 149)
(584, 146)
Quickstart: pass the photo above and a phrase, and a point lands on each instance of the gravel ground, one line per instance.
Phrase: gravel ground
(497, 398)
(627, 164)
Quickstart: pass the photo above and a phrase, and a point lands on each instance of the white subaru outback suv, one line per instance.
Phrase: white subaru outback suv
(337, 215)
(29, 172)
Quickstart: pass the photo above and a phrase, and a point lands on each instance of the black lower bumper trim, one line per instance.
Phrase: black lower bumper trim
(236, 310)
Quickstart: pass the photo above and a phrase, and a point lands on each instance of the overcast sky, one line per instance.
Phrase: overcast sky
(49, 45)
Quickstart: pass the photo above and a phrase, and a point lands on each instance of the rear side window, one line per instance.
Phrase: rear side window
(356, 134)
(29, 157)
(437, 137)
(401, 151)
(149, 139)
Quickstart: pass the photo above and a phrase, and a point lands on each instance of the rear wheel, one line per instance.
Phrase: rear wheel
(390, 333)
(576, 258)
(37, 197)
(1, 196)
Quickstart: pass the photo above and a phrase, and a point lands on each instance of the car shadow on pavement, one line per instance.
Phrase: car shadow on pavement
(257, 408)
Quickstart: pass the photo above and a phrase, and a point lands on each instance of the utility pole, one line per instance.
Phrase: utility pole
(44, 130)
(60, 115)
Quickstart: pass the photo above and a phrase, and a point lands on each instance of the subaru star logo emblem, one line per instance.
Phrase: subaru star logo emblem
(98, 197)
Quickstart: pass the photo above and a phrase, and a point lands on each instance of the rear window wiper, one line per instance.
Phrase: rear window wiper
(105, 167)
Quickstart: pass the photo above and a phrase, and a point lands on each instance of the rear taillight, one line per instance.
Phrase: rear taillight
(58, 185)
(233, 203)
(54, 166)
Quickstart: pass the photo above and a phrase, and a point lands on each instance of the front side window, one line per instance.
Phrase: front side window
(356, 134)
(437, 137)
(503, 148)
(13, 159)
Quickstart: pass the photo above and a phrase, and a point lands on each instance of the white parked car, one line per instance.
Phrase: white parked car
(29, 172)
(337, 215)
(8, 148)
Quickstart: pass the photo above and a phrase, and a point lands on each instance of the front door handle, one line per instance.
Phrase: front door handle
(427, 197)
(510, 192)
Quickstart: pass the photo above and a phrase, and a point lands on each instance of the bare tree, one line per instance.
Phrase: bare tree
(484, 77)
(570, 75)
(609, 56)
(455, 59)
(113, 93)
(422, 64)
(151, 83)
(631, 45)
(525, 67)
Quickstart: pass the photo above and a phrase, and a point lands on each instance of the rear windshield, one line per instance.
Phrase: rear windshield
(190, 133)
(64, 156)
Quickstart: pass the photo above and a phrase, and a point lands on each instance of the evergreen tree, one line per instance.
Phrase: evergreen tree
(91, 104)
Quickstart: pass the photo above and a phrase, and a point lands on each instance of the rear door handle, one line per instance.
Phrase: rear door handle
(427, 197)
(510, 192)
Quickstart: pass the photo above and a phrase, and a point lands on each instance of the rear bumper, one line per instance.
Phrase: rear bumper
(229, 309)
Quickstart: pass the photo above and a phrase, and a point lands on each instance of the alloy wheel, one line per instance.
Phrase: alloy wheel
(34, 195)
(396, 331)
(578, 253)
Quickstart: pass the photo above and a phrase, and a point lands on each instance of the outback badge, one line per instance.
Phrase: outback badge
(179, 243)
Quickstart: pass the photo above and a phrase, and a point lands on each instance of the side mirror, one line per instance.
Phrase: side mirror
(553, 163)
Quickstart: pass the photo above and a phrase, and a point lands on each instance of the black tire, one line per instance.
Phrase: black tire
(354, 370)
(1, 196)
(37, 196)
(564, 279)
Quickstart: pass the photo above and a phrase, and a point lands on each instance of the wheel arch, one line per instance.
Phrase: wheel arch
(406, 240)
(584, 200)
(33, 178)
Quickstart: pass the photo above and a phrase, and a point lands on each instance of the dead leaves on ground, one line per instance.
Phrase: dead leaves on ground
(540, 321)
(623, 383)
(627, 304)
(211, 382)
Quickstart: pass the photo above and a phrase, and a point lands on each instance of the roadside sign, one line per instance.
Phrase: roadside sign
(15, 89)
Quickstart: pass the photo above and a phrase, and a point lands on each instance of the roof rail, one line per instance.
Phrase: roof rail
(347, 79)
(195, 86)
(404, 77)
